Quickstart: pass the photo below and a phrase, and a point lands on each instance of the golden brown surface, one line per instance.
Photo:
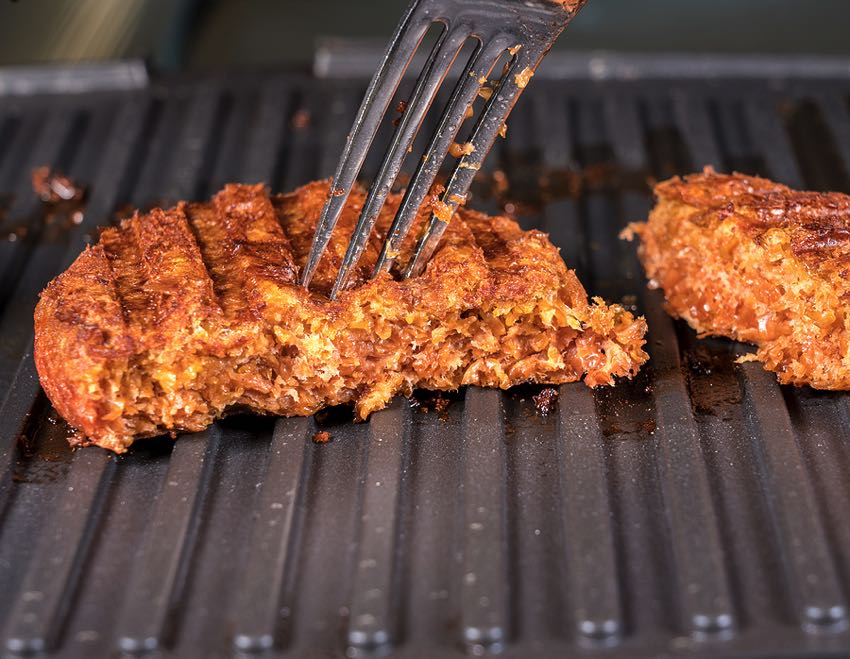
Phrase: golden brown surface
(180, 315)
(747, 258)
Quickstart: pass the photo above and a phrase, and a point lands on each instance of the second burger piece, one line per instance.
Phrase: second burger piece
(753, 260)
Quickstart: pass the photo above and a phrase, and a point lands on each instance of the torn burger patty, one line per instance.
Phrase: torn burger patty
(178, 316)
(744, 257)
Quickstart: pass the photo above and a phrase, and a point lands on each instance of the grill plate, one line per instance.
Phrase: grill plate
(697, 511)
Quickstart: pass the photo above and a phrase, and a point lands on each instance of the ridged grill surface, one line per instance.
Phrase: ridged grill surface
(699, 510)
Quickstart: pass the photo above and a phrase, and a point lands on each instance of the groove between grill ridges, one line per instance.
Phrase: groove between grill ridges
(154, 589)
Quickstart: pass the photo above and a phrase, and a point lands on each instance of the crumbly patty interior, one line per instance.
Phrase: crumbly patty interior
(753, 260)
(179, 316)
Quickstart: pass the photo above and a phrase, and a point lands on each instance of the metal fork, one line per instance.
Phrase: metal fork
(526, 29)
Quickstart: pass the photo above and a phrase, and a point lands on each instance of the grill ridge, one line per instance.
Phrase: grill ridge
(589, 541)
(484, 599)
(373, 623)
(274, 533)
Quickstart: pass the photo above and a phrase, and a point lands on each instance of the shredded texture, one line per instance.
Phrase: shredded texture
(744, 257)
(178, 316)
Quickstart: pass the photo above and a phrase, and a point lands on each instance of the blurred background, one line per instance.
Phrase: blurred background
(282, 34)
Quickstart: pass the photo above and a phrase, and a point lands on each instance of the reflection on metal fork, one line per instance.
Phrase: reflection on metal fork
(526, 29)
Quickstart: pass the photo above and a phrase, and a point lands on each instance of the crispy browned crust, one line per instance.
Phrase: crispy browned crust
(571, 6)
(744, 257)
(179, 315)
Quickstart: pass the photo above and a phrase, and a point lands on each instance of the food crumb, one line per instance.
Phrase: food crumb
(322, 437)
(442, 211)
(523, 77)
(401, 108)
(441, 405)
(545, 401)
(52, 187)
(427, 402)
(457, 150)
(301, 119)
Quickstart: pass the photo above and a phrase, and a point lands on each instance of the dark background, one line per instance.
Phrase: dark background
(214, 34)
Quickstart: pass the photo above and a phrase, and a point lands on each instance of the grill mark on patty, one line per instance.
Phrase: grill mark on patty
(262, 247)
(176, 277)
(220, 256)
(243, 247)
(91, 303)
(210, 239)
(125, 263)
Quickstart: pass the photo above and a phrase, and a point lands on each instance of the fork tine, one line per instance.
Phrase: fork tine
(483, 136)
(439, 62)
(463, 95)
(409, 34)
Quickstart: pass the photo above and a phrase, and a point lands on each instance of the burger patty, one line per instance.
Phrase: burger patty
(743, 257)
(178, 316)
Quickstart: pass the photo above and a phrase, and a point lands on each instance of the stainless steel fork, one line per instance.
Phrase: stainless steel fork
(525, 29)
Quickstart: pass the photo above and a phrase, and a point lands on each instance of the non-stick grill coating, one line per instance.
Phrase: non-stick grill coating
(697, 511)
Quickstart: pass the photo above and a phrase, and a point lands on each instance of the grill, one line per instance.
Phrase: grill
(699, 510)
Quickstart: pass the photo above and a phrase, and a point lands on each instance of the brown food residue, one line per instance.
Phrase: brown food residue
(52, 187)
(322, 437)
(545, 402)
(301, 119)
(401, 108)
(429, 401)
(629, 427)
(441, 405)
